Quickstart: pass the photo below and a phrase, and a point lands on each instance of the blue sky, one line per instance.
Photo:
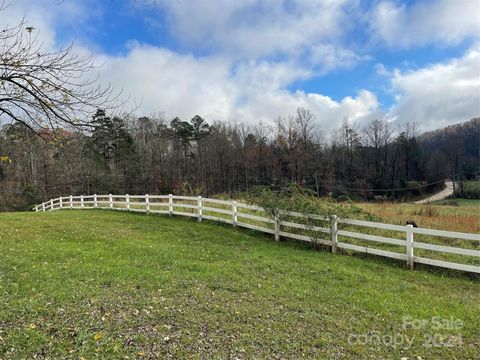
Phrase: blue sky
(249, 61)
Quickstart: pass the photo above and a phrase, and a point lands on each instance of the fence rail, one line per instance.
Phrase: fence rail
(230, 212)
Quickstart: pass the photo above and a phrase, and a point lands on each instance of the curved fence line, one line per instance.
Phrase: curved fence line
(334, 232)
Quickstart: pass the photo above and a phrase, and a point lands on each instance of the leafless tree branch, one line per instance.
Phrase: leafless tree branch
(48, 88)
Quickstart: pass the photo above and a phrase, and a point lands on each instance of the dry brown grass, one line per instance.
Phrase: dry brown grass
(464, 218)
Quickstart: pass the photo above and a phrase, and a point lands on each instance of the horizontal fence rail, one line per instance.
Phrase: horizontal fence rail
(334, 232)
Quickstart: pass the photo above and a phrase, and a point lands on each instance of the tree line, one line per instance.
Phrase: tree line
(138, 155)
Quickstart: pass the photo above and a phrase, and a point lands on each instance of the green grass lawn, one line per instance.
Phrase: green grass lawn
(104, 284)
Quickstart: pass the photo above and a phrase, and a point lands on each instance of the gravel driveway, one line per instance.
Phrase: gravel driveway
(445, 193)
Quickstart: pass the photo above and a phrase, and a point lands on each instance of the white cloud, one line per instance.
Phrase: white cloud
(328, 112)
(333, 57)
(44, 16)
(245, 80)
(177, 84)
(223, 87)
(183, 85)
(440, 94)
(444, 22)
(302, 29)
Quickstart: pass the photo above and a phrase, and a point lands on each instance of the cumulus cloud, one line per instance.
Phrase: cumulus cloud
(258, 49)
(444, 22)
(440, 94)
(303, 29)
(184, 85)
(254, 50)
(177, 84)
(220, 86)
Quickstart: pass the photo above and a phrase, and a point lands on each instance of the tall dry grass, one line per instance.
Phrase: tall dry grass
(465, 218)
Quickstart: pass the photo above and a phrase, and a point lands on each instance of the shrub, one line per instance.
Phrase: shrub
(295, 198)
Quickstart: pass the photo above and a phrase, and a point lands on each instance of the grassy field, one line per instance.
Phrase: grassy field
(102, 284)
(455, 215)
(459, 202)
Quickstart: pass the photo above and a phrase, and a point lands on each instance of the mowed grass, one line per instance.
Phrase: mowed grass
(105, 284)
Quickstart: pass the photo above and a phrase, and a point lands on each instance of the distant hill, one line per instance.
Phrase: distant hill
(462, 129)
(453, 150)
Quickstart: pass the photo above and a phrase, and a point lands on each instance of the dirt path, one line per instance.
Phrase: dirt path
(445, 193)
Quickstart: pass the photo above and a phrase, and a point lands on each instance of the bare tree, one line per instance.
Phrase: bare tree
(261, 132)
(287, 140)
(410, 128)
(47, 88)
(349, 141)
(305, 121)
(377, 135)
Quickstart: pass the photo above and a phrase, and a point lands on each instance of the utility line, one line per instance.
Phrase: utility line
(387, 190)
(394, 189)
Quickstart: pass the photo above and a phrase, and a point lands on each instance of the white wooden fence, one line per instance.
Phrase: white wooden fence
(237, 213)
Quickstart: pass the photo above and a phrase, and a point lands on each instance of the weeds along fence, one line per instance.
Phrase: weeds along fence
(446, 249)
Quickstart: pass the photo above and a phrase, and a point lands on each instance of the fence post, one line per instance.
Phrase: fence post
(51, 204)
(71, 201)
(147, 203)
(277, 226)
(234, 213)
(61, 202)
(43, 206)
(127, 200)
(409, 232)
(333, 233)
(81, 201)
(200, 209)
(95, 202)
(110, 201)
(170, 204)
